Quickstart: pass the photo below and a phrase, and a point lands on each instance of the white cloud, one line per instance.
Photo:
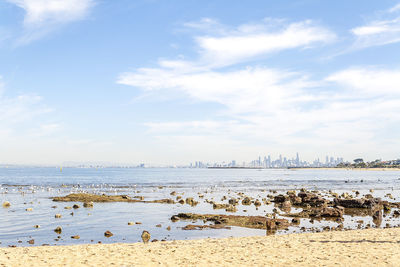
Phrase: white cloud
(270, 109)
(43, 16)
(383, 31)
(18, 111)
(254, 40)
(369, 81)
(395, 8)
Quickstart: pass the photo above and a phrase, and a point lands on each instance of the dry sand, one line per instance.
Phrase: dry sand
(372, 247)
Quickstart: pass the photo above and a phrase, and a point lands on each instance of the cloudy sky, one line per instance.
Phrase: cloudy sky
(176, 81)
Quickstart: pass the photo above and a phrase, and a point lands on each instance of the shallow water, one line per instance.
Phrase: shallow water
(33, 187)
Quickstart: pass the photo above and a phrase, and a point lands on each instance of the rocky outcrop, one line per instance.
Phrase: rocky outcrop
(86, 197)
(201, 227)
(312, 199)
(360, 203)
(324, 212)
(257, 222)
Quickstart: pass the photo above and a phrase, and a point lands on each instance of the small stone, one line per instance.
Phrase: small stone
(131, 223)
(57, 216)
(76, 206)
(67, 208)
(138, 223)
(88, 204)
(158, 225)
(6, 204)
(108, 234)
(32, 241)
(146, 237)
(36, 226)
(29, 209)
(174, 218)
(75, 237)
(169, 228)
(58, 230)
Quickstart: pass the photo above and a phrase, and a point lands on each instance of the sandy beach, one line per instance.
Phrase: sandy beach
(371, 247)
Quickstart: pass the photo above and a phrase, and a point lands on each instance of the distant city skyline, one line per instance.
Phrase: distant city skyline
(178, 81)
(269, 162)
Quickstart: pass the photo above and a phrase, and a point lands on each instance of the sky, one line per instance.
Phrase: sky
(177, 81)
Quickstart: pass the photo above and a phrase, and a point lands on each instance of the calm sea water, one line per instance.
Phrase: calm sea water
(33, 187)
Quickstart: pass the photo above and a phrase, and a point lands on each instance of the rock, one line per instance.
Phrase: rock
(358, 203)
(280, 198)
(29, 209)
(369, 196)
(146, 237)
(169, 228)
(312, 199)
(131, 223)
(158, 225)
(173, 193)
(296, 221)
(246, 201)
(108, 234)
(58, 230)
(221, 206)
(85, 197)
(76, 206)
(318, 212)
(231, 208)
(138, 223)
(32, 241)
(257, 222)
(233, 201)
(286, 206)
(201, 227)
(6, 204)
(377, 217)
(396, 213)
(53, 207)
(276, 224)
(36, 226)
(257, 203)
(88, 204)
(191, 201)
(67, 208)
(75, 237)
(154, 240)
(57, 216)
(174, 218)
(181, 201)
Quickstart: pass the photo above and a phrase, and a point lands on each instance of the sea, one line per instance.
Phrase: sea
(30, 191)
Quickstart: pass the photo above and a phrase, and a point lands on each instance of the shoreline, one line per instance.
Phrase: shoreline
(369, 247)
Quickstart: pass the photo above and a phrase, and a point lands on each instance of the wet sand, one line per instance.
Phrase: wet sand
(371, 247)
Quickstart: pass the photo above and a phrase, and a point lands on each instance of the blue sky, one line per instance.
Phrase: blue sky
(169, 82)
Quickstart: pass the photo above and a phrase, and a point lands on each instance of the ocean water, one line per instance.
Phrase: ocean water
(33, 188)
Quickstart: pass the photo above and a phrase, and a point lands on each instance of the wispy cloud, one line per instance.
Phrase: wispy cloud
(382, 31)
(271, 108)
(15, 111)
(44, 16)
(250, 41)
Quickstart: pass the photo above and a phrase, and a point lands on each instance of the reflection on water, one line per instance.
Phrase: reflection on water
(31, 188)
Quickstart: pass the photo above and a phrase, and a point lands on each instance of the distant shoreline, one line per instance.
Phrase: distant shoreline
(311, 168)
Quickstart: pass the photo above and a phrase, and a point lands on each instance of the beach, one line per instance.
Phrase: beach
(370, 247)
